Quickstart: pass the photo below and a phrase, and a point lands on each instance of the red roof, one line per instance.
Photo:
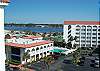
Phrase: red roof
(30, 37)
(4, 1)
(28, 45)
(83, 22)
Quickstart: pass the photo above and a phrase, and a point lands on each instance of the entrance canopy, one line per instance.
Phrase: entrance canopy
(57, 50)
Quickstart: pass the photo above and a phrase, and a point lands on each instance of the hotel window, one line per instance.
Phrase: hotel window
(99, 29)
(93, 37)
(98, 41)
(78, 26)
(83, 33)
(77, 29)
(99, 34)
(82, 44)
(82, 41)
(88, 29)
(94, 33)
(48, 45)
(83, 37)
(88, 37)
(47, 51)
(98, 37)
(93, 41)
(94, 26)
(69, 27)
(93, 45)
(37, 48)
(88, 33)
(94, 29)
(33, 49)
(41, 48)
(69, 35)
(82, 29)
(69, 31)
(44, 46)
(88, 41)
(88, 45)
(28, 51)
(77, 33)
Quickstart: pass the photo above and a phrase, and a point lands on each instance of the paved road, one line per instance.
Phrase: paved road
(66, 67)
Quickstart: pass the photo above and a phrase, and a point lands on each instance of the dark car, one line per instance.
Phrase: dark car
(81, 63)
(92, 61)
(67, 61)
(92, 65)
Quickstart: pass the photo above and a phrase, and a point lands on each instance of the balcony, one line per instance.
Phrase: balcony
(4, 1)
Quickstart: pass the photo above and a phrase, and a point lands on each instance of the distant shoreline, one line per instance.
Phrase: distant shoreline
(37, 25)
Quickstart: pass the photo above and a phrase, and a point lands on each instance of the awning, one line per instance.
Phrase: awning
(57, 50)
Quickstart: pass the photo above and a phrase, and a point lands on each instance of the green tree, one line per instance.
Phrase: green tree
(26, 56)
(47, 61)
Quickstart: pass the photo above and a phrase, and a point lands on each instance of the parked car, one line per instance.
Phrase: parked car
(97, 65)
(67, 61)
(95, 62)
(92, 61)
(92, 64)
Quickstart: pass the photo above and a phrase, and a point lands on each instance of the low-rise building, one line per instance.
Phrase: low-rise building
(27, 48)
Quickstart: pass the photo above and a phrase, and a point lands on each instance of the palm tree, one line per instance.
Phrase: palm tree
(26, 56)
(47, 61)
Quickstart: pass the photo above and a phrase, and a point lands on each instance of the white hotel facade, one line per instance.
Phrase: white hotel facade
(3, 4)
(87, 32)
(37, 48)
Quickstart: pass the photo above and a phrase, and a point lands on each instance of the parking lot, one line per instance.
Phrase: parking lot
(60, 65)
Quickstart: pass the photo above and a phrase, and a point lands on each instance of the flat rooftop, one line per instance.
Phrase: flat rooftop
(26, 41)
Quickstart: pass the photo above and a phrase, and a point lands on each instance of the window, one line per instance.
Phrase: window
(69, 35)
(83, 37)
(33, 49)
(99, 34)
(15, 51)
(93, 41)
(88, 41)
(98, 29)
(48, 45)
(88, 29)
(82, 44)
(69, 27)
(44, 46)
(47, 51)
(94, 29)
(77, 33)
(82, 29)
(69, 31)
(98, 37)
(83, 33)
(88, 37)
(88, 33)
(88, 45)
(94, 33)
(41, 48)
(93, 45)
(37, 48)
(82, 40)
(93, 37)
(98, 41)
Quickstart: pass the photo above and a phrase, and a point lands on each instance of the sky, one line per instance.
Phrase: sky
(51, 11)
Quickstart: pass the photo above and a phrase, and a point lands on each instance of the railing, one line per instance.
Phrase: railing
(4, 1)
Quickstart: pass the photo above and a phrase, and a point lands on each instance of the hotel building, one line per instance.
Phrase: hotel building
(87, 33)
(3, 4)
(34, 46)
